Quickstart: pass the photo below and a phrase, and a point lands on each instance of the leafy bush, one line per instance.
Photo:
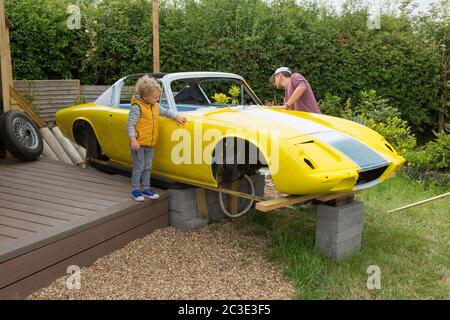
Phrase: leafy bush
(439, 152)
(375, 107)
(434, 156)
(220, 98)
(332, 105)
(397, 132)
(342, 57)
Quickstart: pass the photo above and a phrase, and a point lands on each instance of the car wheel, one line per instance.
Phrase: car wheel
(21, 136)
(94, 151)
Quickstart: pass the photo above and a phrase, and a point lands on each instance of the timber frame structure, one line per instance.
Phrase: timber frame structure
(5, 59)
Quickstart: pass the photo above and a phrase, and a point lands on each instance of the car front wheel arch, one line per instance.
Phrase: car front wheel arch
(246, 160)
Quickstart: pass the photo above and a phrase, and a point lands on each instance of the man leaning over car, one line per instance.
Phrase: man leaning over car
(298, 95)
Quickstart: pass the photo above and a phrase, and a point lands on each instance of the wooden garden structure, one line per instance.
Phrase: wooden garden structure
(5, 59)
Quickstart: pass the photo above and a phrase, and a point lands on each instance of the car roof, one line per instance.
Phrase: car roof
(183, 75)
(107, 97)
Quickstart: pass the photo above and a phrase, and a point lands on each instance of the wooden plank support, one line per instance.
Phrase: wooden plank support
(234, 200)
(26, 107)
(202, 203)
(270, 205)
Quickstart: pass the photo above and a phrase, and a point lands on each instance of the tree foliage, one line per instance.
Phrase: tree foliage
(338, 54)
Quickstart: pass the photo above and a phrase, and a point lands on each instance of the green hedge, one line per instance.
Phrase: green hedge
(337, 53)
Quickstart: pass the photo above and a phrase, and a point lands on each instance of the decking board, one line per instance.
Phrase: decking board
(36, 210)
(55, 199)
(53, 213)
(65, 190)
(25, 225)
(45, 205)
(49, 180)
(79, 181)
(62, 194)
(90, 175)
(31, 217)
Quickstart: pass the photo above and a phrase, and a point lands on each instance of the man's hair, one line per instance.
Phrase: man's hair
(286, 74)
(147, 86)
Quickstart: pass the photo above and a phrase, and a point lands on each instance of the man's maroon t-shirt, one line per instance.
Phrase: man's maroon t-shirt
(307, 101)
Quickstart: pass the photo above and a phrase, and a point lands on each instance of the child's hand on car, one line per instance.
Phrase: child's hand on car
(180, 120)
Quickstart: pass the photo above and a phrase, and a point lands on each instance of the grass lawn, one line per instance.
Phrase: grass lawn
(412, 247)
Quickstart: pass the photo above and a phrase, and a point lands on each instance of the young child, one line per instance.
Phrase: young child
(143, 121)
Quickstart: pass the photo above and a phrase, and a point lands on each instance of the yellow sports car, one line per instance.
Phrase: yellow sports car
(229, 133)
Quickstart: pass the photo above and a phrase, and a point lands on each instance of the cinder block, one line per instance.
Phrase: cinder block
(183, 215)
(340, 213)
(182, 194)
(339, 229)
(339, 236)
(342, 225)
(341, 250)
(181, 206)
(189, 224)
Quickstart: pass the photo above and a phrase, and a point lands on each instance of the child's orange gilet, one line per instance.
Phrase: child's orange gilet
(148, 123)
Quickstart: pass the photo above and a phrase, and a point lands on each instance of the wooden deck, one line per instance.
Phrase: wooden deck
(54, 215)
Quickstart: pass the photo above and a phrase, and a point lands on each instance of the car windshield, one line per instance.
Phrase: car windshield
(192, 94)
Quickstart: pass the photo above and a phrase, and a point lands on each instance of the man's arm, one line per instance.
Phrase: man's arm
(298, 93)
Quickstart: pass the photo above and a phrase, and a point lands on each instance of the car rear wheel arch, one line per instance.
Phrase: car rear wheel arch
(84, 135)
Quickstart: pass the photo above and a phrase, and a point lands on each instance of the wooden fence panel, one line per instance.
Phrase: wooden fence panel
(48, 96)
(91, 93)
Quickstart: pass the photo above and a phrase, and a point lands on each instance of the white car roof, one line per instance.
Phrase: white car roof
(108, 97)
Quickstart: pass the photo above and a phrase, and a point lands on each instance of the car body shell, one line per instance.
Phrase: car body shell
(306, 153)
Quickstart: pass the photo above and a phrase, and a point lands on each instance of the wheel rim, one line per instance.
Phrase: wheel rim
(26, 134)
(249, 205)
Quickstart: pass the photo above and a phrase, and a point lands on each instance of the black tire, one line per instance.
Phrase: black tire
(2, 149)
(94, 151)
(21, 136)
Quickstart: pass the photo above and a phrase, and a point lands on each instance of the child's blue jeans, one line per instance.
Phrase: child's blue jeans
(142, 167)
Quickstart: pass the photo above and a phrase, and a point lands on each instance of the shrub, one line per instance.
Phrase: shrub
(332, 105)
(434, 156)
(438, 152)
(248, 37)
(397, 132)
(374, 107)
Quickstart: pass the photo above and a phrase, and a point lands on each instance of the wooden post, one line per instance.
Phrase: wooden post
(156, 67)
(5, 58)
(202, 203)
(234, 201)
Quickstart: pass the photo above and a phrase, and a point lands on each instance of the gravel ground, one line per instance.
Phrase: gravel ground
(219, 261)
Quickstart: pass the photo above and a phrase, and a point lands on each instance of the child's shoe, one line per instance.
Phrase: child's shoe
(137, 195)
(149, 193)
